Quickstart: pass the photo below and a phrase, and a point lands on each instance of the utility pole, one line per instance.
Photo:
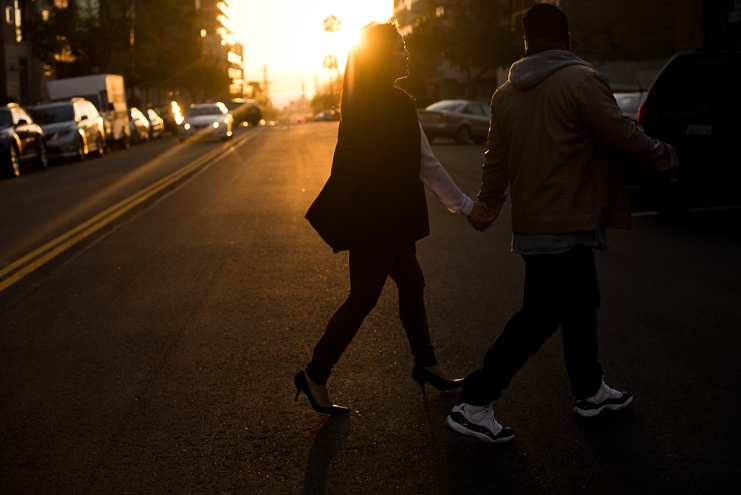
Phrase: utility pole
(265, 78)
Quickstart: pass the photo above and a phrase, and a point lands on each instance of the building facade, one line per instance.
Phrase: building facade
(219, 43)
(22, 75)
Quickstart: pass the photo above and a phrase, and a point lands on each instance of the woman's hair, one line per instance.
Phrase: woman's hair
(368, 73)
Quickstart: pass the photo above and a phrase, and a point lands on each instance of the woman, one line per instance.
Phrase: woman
(373, 204)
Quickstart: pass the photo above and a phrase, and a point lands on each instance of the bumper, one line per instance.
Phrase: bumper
(204, 132)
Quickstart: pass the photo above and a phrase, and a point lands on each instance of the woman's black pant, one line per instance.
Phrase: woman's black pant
(560, 289)
(368, 273)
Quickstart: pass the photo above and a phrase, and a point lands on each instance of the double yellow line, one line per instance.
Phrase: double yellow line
(48, 251)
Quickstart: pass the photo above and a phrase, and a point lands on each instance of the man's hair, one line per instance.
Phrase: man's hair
(545, 23)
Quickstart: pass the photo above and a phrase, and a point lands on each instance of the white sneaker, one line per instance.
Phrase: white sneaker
(605, 398)
(478, 422)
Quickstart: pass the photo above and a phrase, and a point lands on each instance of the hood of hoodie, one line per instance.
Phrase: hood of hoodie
(531, 70)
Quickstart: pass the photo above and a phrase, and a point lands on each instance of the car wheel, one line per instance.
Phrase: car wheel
(13, 161)
(463, 135)
(81, 152)
(100, 145)
(42, 160)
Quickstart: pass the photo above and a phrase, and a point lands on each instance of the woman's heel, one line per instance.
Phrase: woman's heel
(417, 376)
(303, 386)
(422, 376)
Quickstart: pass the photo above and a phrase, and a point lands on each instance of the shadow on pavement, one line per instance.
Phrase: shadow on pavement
(326, 446)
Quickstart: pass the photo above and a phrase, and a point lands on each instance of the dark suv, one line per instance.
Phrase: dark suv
(695, 105)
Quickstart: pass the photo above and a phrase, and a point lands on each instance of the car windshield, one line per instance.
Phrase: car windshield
(450, 106)
(192, 111)
(50, 115)
(6, 120)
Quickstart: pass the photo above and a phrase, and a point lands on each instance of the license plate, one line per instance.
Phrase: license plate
(699, 130)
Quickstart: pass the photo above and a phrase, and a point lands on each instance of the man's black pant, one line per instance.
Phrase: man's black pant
(560, 289)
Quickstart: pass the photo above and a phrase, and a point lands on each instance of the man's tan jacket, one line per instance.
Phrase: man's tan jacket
(557, 139)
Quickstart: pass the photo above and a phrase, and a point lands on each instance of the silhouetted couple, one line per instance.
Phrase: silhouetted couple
(556, 137)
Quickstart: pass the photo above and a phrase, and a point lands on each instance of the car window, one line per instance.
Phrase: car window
(52, 114)
(6, 119)
(450, 106)
(708, 82)
(485, 110)
(474, 109)
(210, 110)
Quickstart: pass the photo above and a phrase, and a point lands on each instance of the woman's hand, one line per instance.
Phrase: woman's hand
(480, 218)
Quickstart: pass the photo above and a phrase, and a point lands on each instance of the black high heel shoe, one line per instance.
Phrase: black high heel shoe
(303, 386)
(423, 376)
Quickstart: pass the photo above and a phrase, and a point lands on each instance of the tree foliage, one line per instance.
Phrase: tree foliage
(325, 99)
(473, 35)
(147, 42)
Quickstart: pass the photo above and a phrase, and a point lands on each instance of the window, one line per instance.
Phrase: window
(9, 15)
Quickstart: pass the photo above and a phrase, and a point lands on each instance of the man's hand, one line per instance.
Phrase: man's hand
(480, 218)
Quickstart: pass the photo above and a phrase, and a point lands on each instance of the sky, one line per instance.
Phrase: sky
(288, 37)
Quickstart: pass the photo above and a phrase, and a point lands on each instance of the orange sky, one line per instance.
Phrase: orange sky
(288, 37)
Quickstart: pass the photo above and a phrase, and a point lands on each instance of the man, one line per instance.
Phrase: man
(555, 140)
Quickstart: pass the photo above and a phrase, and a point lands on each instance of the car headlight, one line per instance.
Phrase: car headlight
(186, 126)
(215, 124)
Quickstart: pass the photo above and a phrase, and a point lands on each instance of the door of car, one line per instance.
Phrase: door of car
(25, 129)
(97, 122)
(86, 124)
(479, 120)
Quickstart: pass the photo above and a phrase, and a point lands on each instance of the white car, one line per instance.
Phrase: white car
(206, 120)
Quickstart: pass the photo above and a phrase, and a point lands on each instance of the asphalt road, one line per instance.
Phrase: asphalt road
(157, 354)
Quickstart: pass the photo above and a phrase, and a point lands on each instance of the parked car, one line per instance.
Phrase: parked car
(156, 123)
(206, 120)
(327, 115)
(630, 102)
(139, 126)
(21, 140)
(107, 93)
(460, 119)
(244, 111)
(72, 128)
(694, 105)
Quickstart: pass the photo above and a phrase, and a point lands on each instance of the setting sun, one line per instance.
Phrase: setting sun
(288, 37)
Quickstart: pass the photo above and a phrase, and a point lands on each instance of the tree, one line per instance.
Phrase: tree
(147, 42)
(331, 25)
(474, 35)
(325, 99)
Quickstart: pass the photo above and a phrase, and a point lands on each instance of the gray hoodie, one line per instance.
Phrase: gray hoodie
(531, 70)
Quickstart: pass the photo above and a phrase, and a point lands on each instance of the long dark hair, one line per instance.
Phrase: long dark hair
(368, 77)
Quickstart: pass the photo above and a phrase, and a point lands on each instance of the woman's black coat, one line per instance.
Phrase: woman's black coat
(374, 198)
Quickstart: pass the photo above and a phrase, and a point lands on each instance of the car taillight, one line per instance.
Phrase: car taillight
(444, 118)
(641, 115)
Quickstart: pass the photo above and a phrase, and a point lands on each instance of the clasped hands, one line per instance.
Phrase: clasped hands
(480, 217)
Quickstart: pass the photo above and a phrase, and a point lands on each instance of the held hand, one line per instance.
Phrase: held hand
(480, 218)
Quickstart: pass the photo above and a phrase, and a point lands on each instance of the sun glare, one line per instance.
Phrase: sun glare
(288, 37)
